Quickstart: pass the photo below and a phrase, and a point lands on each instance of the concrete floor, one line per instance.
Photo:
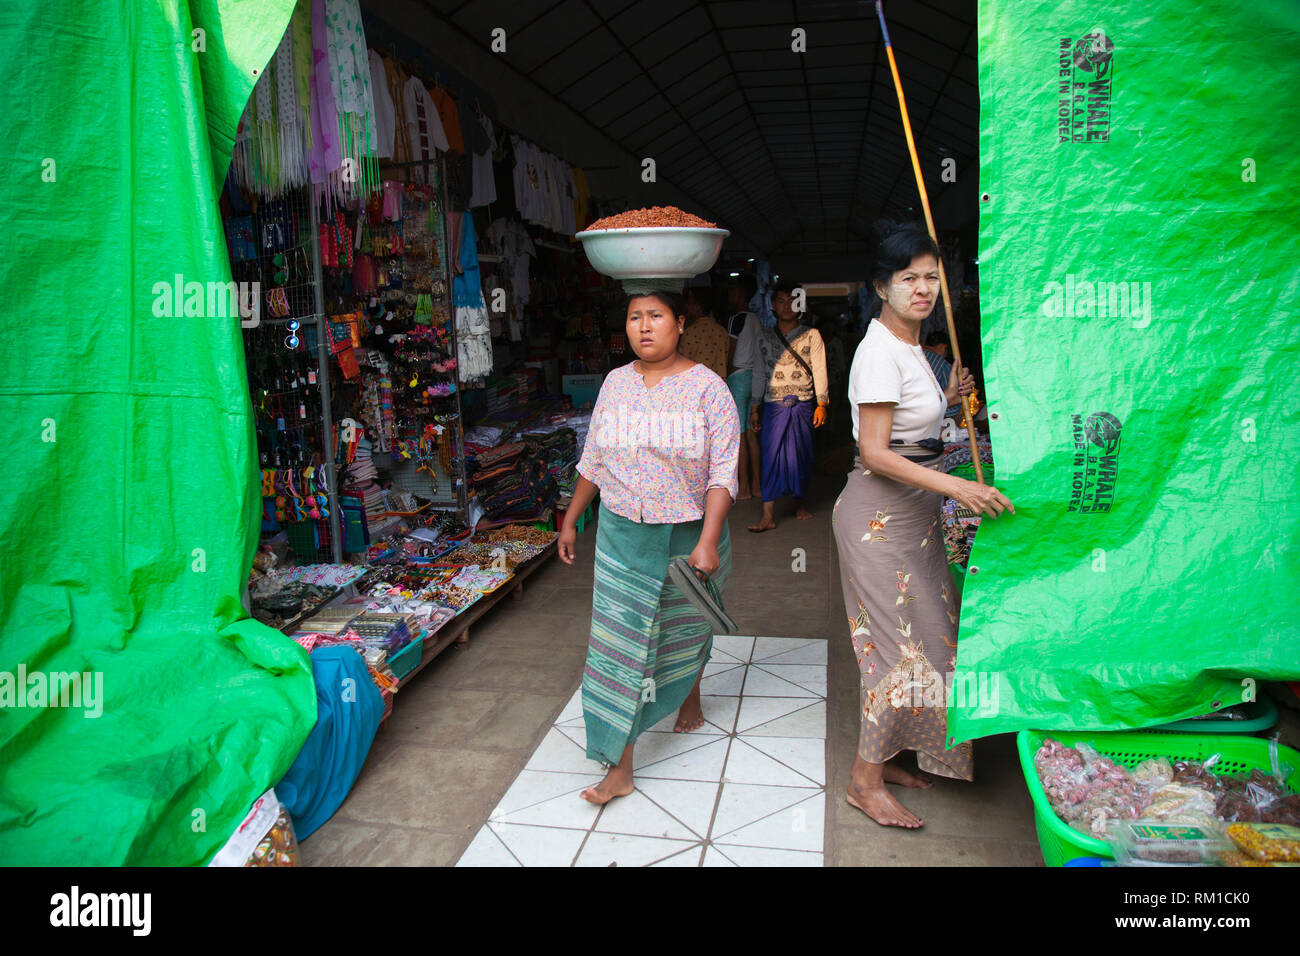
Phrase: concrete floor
(465, 727)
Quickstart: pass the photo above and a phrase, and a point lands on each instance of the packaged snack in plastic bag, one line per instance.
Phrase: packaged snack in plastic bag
(264, 838)
(1086, 789)
(1154, 773)
(1181, 803)
(1271, 842)
(1198, 774)
(1147, 842)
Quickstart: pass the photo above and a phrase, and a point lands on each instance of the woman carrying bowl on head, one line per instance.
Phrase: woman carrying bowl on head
(901, 606)
(661, 451)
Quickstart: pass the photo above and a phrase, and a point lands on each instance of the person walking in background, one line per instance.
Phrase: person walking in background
(661, 452)
(791, 390)
(899, 598)
(936, 353)
(704, 341)
(743, 327)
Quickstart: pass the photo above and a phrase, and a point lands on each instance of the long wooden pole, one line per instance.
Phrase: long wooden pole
(929, 223)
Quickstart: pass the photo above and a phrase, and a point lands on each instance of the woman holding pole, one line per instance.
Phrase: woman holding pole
(901, 605)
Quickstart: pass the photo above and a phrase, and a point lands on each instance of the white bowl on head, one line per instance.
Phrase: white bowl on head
(652, 252)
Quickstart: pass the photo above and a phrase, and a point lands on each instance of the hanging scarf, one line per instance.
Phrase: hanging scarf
(349, 75)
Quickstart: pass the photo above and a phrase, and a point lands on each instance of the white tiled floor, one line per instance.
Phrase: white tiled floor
(746, 789)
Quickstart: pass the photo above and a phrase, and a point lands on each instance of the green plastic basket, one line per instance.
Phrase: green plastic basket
(408, 658)
(1061, 843)
(1262, 715)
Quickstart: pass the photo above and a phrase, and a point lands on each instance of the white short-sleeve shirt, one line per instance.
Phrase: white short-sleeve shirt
(887, 369)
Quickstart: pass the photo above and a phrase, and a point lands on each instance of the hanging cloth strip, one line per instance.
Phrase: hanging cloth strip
(473, 326)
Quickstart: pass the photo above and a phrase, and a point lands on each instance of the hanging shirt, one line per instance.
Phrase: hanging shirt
(450, 118)
(887, 369)
(384, 116)
(423, 125)
(484, 188)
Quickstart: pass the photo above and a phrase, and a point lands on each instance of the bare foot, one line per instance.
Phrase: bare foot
(616, 784)
(744, 494)
(901, 775)
(881, 806)
(691, 715)
(802, 513)
(766, 524)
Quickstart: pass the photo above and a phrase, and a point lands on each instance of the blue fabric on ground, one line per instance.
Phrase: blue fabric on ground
(348, 710)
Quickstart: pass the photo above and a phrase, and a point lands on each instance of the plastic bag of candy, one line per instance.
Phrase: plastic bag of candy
(265, 837)
(1270, 842)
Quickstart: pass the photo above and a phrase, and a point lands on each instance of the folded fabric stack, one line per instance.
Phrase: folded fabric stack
(526, 493)
(482, 438)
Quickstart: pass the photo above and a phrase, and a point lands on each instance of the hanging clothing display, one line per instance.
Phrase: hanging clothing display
(484, 189)
(473, 329)
(397, 78)
(511, 240)
(423, 126)
(384, 118)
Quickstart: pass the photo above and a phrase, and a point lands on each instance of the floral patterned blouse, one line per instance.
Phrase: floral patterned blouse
(655, 452)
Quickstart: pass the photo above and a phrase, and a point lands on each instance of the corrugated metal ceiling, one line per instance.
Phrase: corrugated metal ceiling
(796, 153)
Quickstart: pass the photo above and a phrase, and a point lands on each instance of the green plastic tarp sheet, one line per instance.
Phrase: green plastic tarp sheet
(1138, 280)
(129, 525)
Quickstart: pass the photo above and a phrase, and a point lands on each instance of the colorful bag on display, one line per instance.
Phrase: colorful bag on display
(240, 240)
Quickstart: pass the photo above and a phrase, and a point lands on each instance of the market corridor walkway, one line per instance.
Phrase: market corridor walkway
(455, 750)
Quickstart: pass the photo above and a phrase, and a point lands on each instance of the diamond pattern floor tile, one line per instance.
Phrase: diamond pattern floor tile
(746, 789)
(635, 814)
(805, 755)
(702, 763)
(798, 827)
(690, 857)
(602, 849)
(738, 647)
(808, 722)
(755, 711)
(747, 764)
(765, 647)
(726, 681)
(487, 850)
(540, 846)
(690, 801)
(810, 677)
(743, 804)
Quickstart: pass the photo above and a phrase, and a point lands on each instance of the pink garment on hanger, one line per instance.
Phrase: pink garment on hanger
(393, 201)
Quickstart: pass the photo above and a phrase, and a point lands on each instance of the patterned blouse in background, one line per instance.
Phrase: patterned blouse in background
(706, 342)
(777, 373)
(655, 452)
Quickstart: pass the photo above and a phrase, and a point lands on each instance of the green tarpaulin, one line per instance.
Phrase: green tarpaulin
(1138, 281)
(129, 525)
